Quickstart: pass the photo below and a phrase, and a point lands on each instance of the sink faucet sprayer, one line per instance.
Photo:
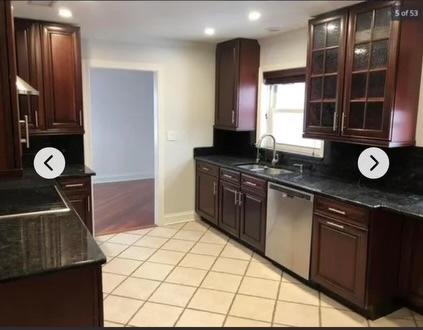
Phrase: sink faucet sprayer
(258, 145)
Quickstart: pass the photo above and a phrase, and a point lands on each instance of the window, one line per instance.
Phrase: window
(282, 112)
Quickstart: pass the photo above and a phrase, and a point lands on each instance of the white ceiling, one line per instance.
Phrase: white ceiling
(136, 21)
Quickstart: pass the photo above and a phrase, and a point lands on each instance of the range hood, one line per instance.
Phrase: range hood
(23, 88)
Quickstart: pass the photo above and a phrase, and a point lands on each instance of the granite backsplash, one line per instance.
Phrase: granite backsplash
(340, 161)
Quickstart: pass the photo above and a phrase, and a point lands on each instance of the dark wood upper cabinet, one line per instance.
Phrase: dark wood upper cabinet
(237, 65)
(62, 78)
(10, 148)
(49, 58)
(29, 68)
(381, 72)
(325, 74)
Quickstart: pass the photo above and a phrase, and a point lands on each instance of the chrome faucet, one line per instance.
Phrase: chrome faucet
(258, 145)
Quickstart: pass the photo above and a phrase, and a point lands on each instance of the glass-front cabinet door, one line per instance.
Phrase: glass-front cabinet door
(370, 71)
(325, 75)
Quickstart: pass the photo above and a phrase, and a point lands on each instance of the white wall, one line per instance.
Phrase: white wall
(122, 113)
(289, 50)
(185, 105)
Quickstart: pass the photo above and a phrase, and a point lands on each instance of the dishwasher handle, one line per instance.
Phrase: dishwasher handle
(291, 193)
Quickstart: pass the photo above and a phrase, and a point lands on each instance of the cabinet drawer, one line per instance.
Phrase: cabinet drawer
(350, 213)
(252, 183)
(230, 176)
(75, 184)
(208, 168)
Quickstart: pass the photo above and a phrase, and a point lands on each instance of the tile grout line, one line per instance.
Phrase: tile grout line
(276, 301)
(163, 281)
(237, 291)
(201, 282)
(130, 275)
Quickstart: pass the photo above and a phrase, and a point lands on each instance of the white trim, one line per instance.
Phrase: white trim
(179, 217)
(158, 118)
(122, 178)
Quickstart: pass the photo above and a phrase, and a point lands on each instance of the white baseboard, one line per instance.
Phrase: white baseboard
(173, 218)
(122, 177)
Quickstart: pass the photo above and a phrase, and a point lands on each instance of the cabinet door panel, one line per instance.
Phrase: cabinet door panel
(228, 208)
(62, 79)
(82, 205)
(411, 270)
(206, 196)
(339, 258)
(29, 68)
(253, 220)
(226, 66)
(325, 75)
(10, 148)
(370, 71)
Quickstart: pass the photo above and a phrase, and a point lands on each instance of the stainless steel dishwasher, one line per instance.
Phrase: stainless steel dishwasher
(288, 232)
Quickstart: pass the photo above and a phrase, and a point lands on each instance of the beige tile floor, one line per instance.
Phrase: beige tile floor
(189, 274)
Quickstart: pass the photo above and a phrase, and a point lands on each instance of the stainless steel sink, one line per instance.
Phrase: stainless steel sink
(264, 169)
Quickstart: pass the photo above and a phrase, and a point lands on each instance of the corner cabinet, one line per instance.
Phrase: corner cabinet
(78, 192)
(237, 66)
(49, 57)
(363, 77)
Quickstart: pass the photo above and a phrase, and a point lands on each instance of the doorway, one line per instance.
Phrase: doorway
(123, 134)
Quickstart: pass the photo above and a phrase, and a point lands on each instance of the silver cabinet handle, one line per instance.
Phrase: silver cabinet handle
(214, 188)
(227, 176)
(73, 185)
(26, 132)
(240, 199)
(233, 116)
(336, 211)
(36, 118)
(343, 122)
(236, 198)
(335, 117)
(334, 225)
(205, 169)
(80, 118)
(252, 184)
(89, 204)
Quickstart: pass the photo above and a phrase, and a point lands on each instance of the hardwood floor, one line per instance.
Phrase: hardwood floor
(123, 206)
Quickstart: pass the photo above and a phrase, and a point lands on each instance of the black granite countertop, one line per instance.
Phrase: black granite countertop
(401, 202)
(73, 170)
(41, 244)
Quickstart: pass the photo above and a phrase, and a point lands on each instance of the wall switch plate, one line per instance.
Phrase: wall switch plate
(172, 135)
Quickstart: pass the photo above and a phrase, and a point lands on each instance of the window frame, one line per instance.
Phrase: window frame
(271, 76)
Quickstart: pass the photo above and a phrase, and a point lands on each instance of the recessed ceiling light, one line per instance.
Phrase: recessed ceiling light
(64, 12)
(209, 31)
(254, 16)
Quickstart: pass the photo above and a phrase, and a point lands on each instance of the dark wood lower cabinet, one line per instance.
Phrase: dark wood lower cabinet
(78, 192)
(65, 298)
(340, 258)
(206, 201)
(229, 208)
(253, 219)
(411, 274)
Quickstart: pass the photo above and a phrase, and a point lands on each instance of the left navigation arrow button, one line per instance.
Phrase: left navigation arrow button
(49, 163)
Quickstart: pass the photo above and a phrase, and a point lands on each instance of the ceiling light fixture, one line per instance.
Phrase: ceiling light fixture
(64, 12)
(209, 31)
(254, 16)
